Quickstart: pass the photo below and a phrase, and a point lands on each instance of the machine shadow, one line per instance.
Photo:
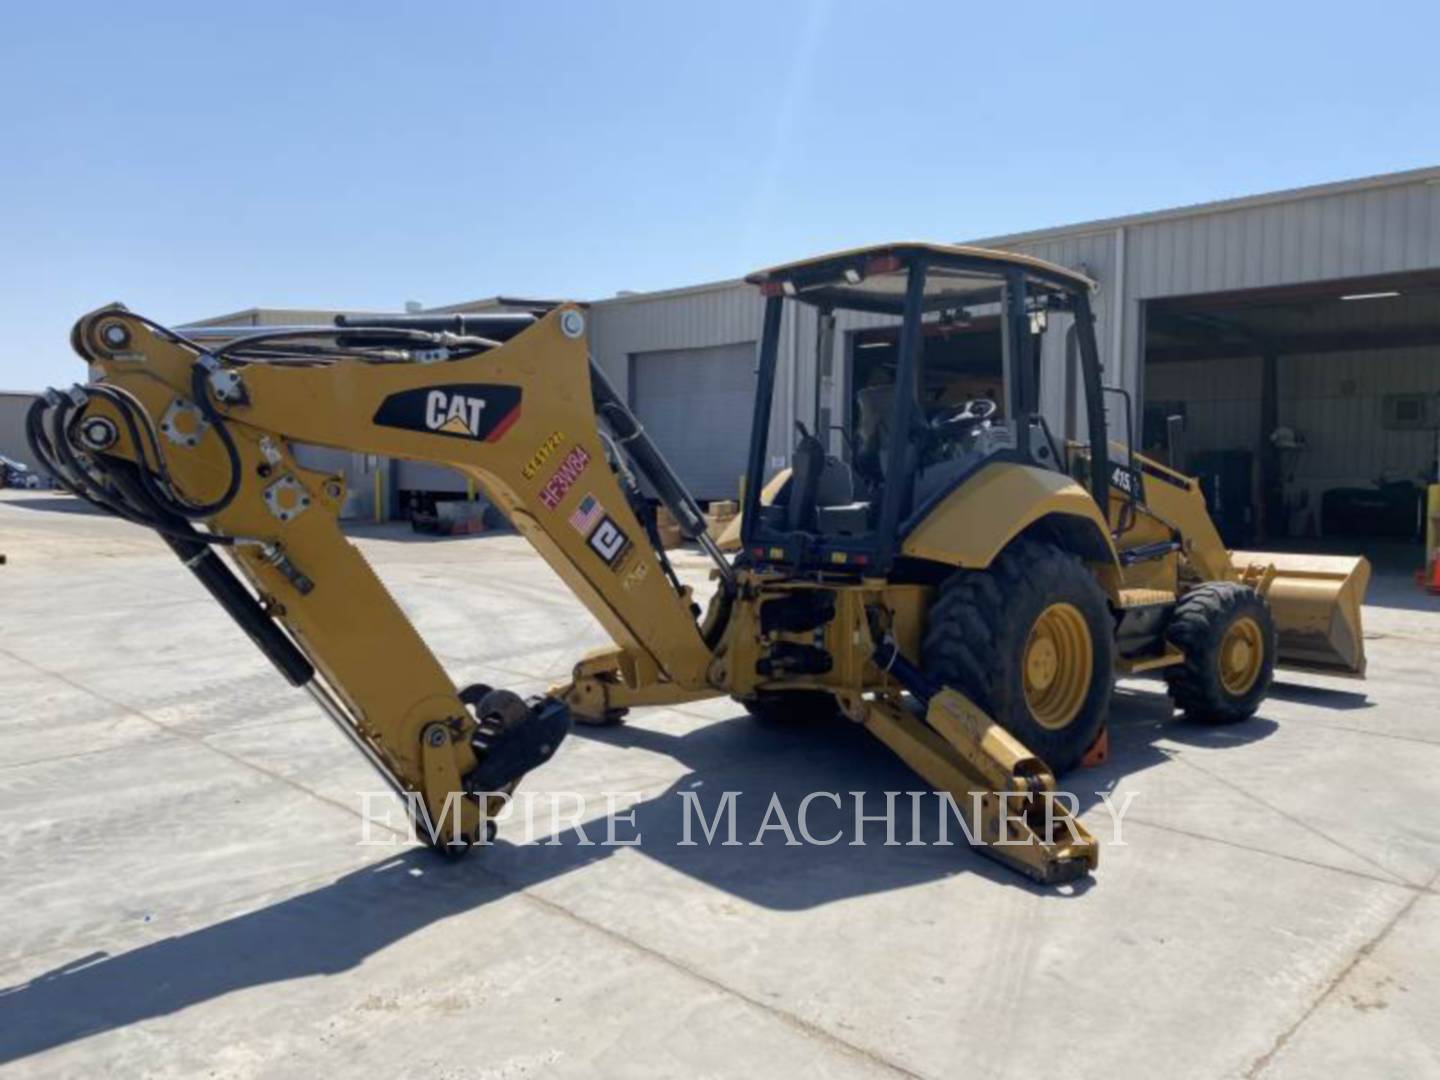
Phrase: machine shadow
(751, 780)
(323, 932)
(1323, 696)
(56, 504)
(790, 762)
(335, 927)
(1142, 715)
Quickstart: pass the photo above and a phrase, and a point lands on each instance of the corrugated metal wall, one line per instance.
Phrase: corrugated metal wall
(1376, 230)
(696, 405)
(13, 408)
(1096, 255)
(1387, 225)
(727, 314)
(1383, 226)
(1221, 400)
(1336, 400)
(724, 314)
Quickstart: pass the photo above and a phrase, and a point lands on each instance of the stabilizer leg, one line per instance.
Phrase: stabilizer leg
(1005, 794)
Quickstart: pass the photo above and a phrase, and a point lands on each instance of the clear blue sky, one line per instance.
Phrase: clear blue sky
(191, 159)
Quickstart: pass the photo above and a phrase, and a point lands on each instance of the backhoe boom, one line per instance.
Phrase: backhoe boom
(172, 434)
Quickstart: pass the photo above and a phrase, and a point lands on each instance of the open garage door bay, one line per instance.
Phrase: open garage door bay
(1311, 412)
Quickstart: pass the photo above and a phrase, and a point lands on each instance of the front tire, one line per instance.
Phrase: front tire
(1228, 637)
(1031, 641)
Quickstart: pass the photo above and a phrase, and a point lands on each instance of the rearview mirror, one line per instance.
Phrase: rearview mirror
(1174, 428)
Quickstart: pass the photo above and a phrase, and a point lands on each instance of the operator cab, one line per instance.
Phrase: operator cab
(945, 346)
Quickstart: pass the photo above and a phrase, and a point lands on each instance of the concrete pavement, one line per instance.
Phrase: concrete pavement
(184, 891)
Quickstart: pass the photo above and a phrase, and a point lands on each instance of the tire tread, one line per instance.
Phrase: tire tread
(1196, 628)
(974, 616)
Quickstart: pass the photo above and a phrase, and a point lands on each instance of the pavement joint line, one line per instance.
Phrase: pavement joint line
(189, 737)
(1259, 1066)
(96, 939)
(546, 595)
(459, 661)
(180, 595)
(1363, 952)
(7, 766)
(1397, 882)
(243, 728)
(1400, 635)
(176, 600)
(1372, 734)
(798, 1023)
(806, 1027)
(1293, 819)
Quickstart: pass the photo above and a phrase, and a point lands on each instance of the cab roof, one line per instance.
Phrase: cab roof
(872, 277)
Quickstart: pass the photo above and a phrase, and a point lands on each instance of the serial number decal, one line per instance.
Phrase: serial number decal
(477, 411)
(558, 486)
(546, 451)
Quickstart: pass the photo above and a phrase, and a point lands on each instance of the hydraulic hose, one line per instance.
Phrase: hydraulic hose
(134, 502)
(199, 391)
(652, 465)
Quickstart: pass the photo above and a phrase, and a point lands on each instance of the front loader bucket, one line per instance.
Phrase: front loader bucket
(1315, 600)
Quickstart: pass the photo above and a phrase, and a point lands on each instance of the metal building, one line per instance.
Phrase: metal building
(1297, 333)
(399, 486)
(13, 407)
(685, 359)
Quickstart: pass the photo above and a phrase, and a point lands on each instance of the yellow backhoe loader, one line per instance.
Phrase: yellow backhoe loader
(956, 576)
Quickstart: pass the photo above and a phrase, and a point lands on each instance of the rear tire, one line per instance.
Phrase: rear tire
(1228, 637)
(1031, 641)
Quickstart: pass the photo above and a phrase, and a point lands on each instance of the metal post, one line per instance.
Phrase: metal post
(760, 418)
(824, 345)
(901, 463)
(1271, 503)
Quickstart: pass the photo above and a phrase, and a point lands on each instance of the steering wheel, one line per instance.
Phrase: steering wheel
(959, 418)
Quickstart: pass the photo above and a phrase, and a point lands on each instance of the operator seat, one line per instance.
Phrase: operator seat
(875, 404)
(807, 465)
(822, 492)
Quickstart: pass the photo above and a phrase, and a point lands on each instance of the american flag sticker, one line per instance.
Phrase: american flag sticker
(587, 514)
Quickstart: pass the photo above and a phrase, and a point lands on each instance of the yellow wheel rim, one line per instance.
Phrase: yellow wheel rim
(1057, 664)
(1242, 655)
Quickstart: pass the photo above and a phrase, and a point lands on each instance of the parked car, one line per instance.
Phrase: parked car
(16, 474)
